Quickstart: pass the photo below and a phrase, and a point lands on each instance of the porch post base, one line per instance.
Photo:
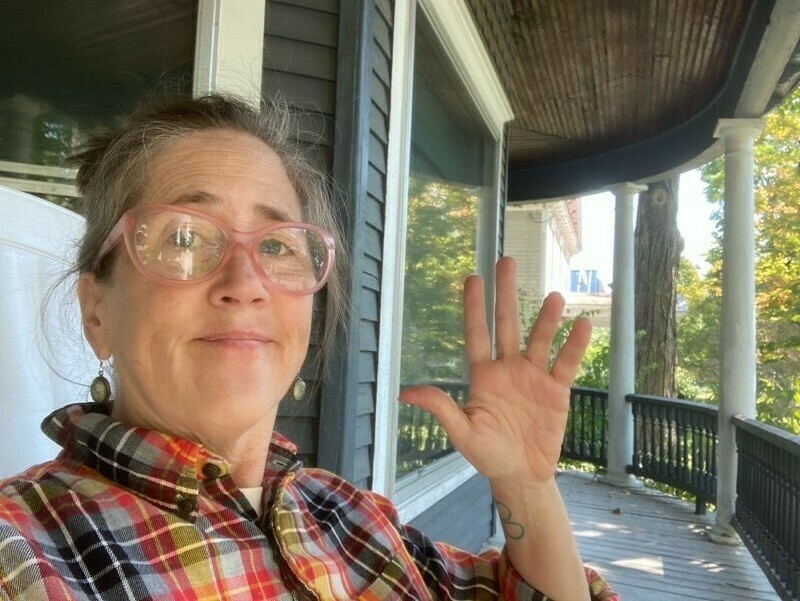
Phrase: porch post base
(620, 480)
(724, 534)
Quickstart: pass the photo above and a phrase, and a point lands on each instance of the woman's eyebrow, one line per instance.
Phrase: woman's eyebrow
(197, 197)
(272, 213)
(263, 211)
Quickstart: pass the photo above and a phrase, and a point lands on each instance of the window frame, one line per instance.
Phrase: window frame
(229, 51)
(453, 26)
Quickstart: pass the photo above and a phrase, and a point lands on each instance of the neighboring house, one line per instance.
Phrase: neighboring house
(409, 106)
(543, 238)
(597, 307)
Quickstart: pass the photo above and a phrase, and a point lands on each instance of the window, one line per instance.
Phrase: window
(448, 114)
(452, 183)
(78, 65)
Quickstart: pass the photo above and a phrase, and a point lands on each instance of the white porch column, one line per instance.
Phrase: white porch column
(737, 391)
(622, 370)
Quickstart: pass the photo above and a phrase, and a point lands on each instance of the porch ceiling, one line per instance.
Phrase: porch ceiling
(606, 91)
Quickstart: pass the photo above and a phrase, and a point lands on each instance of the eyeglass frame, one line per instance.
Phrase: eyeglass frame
(124, 229)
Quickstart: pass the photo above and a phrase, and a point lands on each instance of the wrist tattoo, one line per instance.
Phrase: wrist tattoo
(514, 530)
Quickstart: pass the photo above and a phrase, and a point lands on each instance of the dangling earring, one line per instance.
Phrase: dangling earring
(298, 389)
(100, 389)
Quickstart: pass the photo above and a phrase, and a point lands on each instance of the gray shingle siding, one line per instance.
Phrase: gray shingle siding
(306, 42)
(300, 54)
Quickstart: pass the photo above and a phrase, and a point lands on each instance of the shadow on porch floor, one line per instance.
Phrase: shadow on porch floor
(652, 547)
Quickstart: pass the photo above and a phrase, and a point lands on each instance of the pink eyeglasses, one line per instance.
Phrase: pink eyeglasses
(175, 245)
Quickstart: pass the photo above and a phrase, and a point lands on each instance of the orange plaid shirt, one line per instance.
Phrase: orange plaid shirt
(129, 513)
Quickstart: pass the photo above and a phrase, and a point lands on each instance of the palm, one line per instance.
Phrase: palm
(513, 422)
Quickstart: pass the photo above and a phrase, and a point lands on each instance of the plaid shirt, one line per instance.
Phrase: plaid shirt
(129, 513)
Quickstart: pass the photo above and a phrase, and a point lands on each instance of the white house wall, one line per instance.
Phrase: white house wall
(533, 238)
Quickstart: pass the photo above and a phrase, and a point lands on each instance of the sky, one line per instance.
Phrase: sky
(597, 216)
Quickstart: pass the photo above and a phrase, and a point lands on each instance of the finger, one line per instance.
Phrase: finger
(569, 358)
(540, 340)
(507, 309)
(442, 407)
(476, 331)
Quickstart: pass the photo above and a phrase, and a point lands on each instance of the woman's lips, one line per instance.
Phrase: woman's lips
(237, 339)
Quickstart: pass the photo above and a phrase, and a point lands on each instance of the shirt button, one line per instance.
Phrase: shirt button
(185, 506)
(212, 471)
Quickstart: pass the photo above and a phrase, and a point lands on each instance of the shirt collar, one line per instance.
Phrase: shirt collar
(166, 470)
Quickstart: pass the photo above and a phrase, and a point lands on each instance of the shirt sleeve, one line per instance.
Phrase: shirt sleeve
(452, 574)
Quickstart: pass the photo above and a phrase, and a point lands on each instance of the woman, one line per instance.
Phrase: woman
(207, 237)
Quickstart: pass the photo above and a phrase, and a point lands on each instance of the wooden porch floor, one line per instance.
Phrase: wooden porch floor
(652, 547)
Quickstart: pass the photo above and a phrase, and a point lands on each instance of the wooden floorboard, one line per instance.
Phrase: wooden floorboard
(652, 547)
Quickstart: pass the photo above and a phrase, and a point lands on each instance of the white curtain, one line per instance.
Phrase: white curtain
(44, 361)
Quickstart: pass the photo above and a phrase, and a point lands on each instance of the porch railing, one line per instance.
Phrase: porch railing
(421, 440)
(585, 435)
(675, 443)
(768, 501)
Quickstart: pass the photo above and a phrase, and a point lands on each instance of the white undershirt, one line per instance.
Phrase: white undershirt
(253, 495)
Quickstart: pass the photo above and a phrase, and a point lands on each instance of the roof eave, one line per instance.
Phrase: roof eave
(765, 69)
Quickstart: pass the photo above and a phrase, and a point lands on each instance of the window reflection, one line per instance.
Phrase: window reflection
(77, 65)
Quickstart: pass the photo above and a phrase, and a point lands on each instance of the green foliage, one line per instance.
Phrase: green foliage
(580, 466)
(777, 221)
(594, 372)
(440, 254)
(697, 373)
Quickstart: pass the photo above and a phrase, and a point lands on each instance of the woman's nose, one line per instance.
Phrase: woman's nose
(240, 280)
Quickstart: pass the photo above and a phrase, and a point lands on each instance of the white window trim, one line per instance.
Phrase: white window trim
(229, 48)
(457, 33)
(419, 490)
(394, 250)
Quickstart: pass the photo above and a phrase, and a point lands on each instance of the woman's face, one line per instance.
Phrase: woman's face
(209, 360)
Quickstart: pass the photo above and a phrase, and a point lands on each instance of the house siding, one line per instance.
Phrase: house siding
(380, 86)
(347, 435)
(463, 519)
(332, 59)
(503, 194)
(523, 241)
(300, 64)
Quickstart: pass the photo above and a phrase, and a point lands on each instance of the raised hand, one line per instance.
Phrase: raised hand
(513, 422)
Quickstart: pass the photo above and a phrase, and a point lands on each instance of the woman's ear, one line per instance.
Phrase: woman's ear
(91, 297)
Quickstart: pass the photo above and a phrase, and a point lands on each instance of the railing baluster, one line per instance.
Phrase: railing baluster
(585, 435)
(674, 442)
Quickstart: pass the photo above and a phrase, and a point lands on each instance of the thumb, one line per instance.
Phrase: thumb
(437, 402)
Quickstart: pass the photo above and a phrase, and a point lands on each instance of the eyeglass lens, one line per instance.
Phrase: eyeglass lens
(182, 246)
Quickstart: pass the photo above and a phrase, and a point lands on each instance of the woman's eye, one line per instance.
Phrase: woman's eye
(273, 247)
(182, 238)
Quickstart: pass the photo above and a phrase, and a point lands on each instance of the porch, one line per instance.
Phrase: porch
(657, 537)
(650, 545)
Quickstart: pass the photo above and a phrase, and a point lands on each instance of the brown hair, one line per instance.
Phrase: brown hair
(113, 170)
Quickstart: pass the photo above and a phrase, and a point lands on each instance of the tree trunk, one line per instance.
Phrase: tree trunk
(658, 246)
